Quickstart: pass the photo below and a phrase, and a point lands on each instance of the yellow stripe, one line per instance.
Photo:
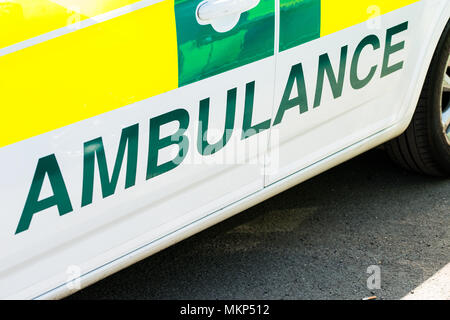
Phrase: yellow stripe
(340, 14)
(24, 19)
(88, 72)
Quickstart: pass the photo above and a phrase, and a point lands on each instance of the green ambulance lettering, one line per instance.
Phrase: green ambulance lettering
(203, 146)
(248, 129)
(337, 85)
(393, 48)
(296, 76)
(129, 140)
(157, 143)
(47, 166)
(354, 80)
(95, 147)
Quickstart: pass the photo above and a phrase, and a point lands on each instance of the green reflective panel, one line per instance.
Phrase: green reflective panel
(204, 52)
(299, 22)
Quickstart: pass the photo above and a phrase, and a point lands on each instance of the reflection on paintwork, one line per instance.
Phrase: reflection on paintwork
(203, 52)
(299, 22)
(24, 19)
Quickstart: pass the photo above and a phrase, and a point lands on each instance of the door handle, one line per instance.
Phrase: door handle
(223, 15)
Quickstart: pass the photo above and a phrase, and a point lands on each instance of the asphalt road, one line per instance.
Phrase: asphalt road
(314, 241)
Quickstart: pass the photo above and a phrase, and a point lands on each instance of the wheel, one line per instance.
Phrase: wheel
(425, 146)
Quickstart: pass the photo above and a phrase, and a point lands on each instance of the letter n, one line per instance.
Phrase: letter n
(336, 83)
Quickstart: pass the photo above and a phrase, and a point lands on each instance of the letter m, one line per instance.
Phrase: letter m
(229, 309)
(94, 149)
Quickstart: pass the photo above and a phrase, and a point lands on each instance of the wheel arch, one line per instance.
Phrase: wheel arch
(412, 95)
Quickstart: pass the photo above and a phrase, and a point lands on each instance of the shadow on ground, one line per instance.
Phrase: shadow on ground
(314, 241)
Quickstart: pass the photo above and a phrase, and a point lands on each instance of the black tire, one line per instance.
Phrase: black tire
(424, 146)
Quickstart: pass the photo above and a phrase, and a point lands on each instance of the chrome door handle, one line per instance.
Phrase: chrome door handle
(223, 15)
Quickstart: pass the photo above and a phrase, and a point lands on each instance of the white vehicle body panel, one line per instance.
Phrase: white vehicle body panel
(339, 123)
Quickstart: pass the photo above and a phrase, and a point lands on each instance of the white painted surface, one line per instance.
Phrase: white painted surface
(435, 288)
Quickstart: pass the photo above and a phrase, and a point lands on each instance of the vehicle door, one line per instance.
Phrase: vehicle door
(124, 121)
(342, 75)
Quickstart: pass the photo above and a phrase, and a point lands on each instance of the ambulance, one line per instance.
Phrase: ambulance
(130, 125)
